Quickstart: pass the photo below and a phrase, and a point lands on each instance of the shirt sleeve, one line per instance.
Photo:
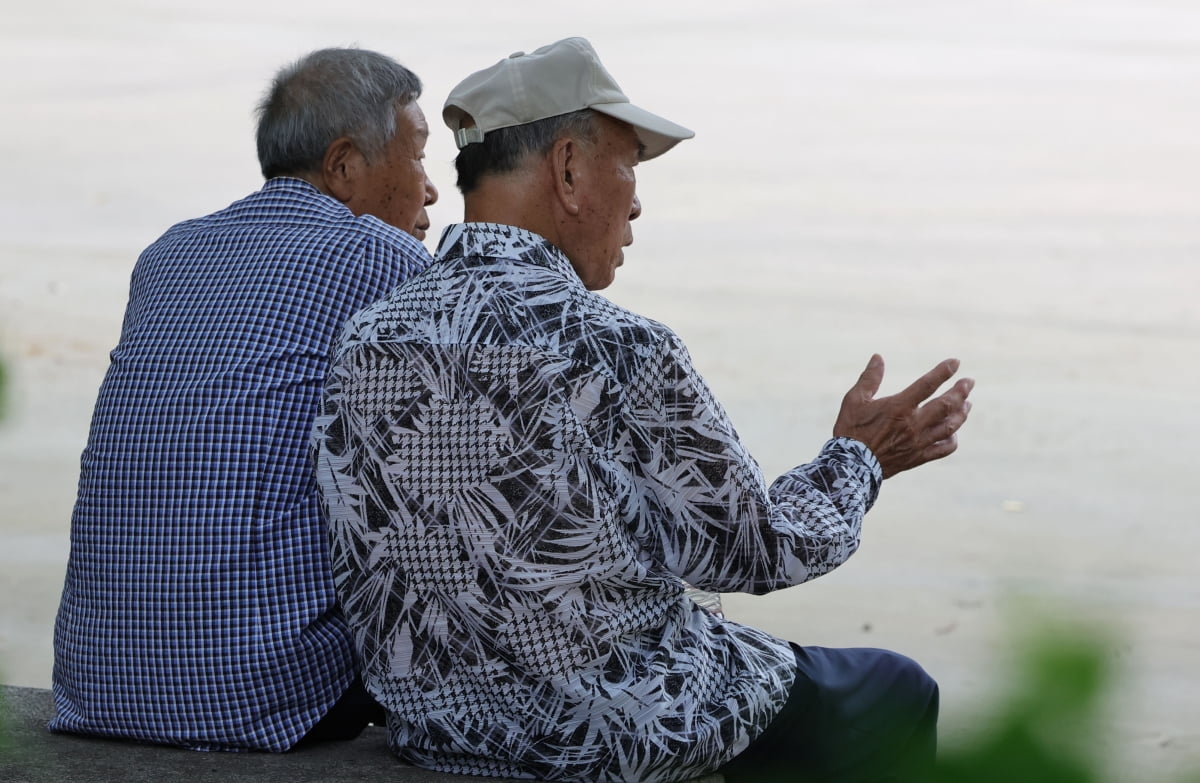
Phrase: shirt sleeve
(705, 510)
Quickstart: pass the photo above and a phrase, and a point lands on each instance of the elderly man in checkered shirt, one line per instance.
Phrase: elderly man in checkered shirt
(199, 607)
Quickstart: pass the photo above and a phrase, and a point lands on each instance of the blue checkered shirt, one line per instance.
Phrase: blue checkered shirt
(199, 607)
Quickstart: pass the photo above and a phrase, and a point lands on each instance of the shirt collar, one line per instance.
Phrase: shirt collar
(496, 241)
(293, 184)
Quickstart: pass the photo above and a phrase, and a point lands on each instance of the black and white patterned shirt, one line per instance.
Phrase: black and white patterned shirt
(519, 476)
(199, 608)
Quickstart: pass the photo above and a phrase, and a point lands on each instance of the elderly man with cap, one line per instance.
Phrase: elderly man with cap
(521, 477)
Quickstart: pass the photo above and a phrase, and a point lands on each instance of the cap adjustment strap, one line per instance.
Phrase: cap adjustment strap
(465, 136)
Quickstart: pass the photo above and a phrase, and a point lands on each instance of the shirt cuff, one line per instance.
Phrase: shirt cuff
(858, 450)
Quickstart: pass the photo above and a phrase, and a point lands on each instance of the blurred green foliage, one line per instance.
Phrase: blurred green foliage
(1048, 724)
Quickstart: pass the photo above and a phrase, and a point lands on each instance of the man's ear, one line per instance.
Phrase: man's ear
(340, 168)
(565, 165)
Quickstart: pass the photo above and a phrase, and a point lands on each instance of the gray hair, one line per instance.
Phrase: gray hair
(325, 95)
(505, 149)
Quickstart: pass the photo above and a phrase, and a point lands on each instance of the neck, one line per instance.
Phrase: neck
(313, 178)
(515, 199)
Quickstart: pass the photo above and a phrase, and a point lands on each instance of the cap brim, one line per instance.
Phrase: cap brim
(657, 134)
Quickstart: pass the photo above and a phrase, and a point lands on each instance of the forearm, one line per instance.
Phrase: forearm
(805, 525)
(706, 512)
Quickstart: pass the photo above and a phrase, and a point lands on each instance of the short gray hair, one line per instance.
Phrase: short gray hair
(505, 149)
(325, 95)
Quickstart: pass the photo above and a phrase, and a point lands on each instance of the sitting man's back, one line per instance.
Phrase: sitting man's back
(198, 607)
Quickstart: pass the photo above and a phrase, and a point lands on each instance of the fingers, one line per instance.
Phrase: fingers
(920, 389)
(941, 417)
(951, 400)
(945, 426)
(906, 429)
(943, 448)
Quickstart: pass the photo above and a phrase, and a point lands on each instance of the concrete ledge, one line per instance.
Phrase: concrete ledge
(30, 754)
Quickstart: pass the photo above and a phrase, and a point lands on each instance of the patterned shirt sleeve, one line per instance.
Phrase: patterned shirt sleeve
(708, 514)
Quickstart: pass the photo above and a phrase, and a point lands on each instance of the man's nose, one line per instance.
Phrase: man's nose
(637, 208)
(431, 192)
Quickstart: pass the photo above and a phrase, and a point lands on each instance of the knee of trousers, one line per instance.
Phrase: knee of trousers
(910, 688)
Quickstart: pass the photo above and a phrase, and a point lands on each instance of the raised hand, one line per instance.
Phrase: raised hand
(906, 429)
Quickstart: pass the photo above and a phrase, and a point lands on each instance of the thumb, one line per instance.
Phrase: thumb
(871, 378)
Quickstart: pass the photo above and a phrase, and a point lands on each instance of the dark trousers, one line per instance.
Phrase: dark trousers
(346, 719)
(853, 716)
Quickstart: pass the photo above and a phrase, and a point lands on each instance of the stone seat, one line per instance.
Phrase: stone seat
(31, 754)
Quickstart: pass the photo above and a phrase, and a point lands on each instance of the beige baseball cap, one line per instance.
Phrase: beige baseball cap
(563, 77)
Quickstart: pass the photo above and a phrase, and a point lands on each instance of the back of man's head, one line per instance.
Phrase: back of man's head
(507, 149)
(326, 95)
(517, 108)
